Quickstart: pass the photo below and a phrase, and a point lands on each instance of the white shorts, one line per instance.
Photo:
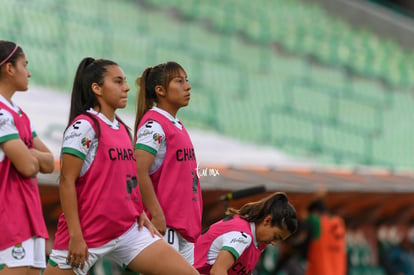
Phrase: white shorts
(180, 244)
(121, 250)
(31, 252)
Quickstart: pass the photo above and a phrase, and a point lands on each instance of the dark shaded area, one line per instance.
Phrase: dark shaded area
(405, 7)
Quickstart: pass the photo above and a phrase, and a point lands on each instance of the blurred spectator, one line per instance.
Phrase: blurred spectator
(398, 258)
(326, 253)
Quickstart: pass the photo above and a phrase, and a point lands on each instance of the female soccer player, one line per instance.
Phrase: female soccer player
(166, 161)
(234, 244)
(102, 208)
(22, 155)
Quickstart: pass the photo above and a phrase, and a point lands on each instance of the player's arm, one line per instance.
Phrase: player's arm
(20, 156)
(43, 155)
(74, 152)
(224, 261)
(144, 162)
(70, 170)
(149, 139)
(230, 245)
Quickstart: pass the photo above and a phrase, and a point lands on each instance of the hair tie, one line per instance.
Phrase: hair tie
(10, 55)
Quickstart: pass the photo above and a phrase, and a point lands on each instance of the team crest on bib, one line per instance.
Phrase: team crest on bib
(18, 252)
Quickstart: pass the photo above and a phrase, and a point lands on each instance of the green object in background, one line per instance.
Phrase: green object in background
(330, 93)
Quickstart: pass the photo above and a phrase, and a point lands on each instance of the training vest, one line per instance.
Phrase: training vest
(176, 183)
(247, 261)
(21, 215)
(327, 254)
(109, 201)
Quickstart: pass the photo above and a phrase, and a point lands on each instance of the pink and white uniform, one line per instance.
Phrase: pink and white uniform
(21, 215)
(235, 235)
(175, 180)
(109, 202)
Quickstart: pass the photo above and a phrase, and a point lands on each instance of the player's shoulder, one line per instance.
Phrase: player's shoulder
(237, 237)
(80, 123)
(79, 127)
(4, 112)
(150, 127)
(150, 124)
(6, 116)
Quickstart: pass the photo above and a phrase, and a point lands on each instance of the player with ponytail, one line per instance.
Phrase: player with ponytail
(100, 198)
(234, 244)
(166, 161)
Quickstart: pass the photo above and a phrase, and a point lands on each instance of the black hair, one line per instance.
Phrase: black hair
(89, 71)
(6, 48)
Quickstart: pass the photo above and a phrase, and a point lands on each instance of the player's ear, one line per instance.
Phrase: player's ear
(267, 220)
(159, 90)
(96, 88)
(8, 68)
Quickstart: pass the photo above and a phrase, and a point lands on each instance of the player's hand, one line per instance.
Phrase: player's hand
(159, 223)
(78, 252)
(144, 221)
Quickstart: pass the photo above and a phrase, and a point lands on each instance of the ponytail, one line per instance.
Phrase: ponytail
(146, 98)
(276, 205)
(80, 98)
